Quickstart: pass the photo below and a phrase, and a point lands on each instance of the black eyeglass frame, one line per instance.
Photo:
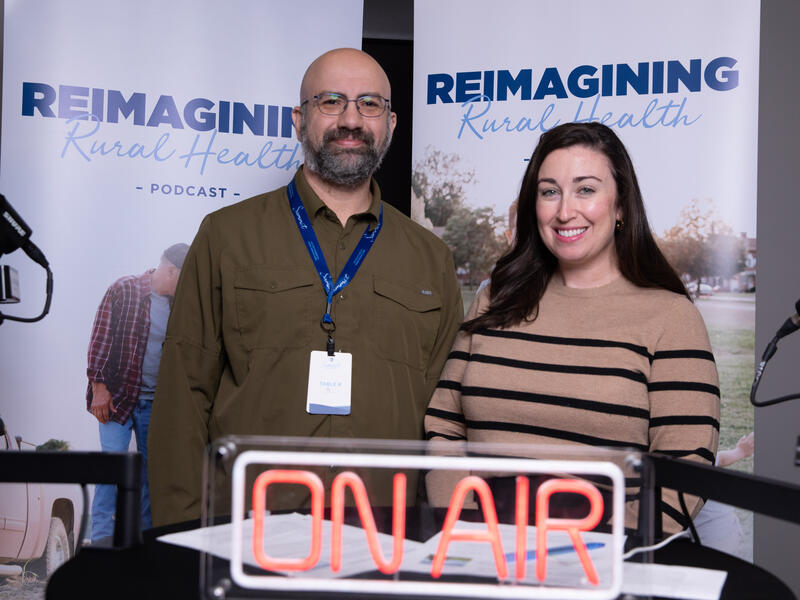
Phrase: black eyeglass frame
(387, 104)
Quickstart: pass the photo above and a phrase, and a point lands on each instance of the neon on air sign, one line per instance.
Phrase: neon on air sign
(294, 468)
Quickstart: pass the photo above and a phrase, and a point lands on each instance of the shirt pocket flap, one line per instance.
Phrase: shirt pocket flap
(271, 280)
(417, 299)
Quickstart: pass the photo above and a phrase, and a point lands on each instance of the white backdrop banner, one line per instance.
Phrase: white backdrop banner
(678, 85)
(123, 124)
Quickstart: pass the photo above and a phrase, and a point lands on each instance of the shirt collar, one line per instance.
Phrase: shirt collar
(314, 205)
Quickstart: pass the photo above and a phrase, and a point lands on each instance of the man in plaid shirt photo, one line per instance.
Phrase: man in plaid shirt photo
(124, 355)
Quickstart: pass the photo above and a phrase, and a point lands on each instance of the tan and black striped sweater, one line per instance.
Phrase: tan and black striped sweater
(615, 366)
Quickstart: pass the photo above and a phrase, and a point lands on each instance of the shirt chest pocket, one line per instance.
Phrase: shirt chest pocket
(408, 321)
(273, 307)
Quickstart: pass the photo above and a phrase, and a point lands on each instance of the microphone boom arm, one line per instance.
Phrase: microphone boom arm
(45, 310)
(790, 325)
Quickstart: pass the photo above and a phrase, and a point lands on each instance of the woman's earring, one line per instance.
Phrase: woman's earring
(619, 225)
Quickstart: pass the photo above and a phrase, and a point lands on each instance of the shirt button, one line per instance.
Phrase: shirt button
(341, 246)
(273, 285)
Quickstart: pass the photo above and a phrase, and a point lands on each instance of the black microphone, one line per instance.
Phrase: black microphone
(791, 324)
(15, 233)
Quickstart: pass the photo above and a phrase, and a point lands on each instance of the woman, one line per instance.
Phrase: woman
(586, 335)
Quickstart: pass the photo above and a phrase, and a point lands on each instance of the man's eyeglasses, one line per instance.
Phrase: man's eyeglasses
(329, 103)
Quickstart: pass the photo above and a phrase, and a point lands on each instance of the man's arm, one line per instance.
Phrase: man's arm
(191, 364)
(744, 448)
(100, 344)
(452, 317)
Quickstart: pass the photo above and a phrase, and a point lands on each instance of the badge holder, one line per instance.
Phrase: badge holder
(329, 376)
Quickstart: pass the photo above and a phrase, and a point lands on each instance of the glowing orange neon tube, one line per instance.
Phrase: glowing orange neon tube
(491, 535)
(571, 526)
(353, 481)
(523, 493)
(313, 483)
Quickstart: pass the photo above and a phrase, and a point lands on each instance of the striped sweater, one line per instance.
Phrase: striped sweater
(615, 366)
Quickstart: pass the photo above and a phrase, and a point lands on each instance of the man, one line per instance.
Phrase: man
(124, 353)
(251, 307)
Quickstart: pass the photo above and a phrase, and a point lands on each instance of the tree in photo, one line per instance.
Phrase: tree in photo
(473, 236)
(702, 246)
(439, 180)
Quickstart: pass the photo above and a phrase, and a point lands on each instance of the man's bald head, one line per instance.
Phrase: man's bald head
(343, 149)
(344, 66)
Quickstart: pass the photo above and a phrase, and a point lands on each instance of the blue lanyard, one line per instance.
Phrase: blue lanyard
(315, 252)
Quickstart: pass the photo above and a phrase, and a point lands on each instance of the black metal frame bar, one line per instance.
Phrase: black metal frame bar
(763, 495)
(647, 507)
(123, 469)
(751, 492)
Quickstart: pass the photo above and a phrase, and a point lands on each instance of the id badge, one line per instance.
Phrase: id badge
(329, 380)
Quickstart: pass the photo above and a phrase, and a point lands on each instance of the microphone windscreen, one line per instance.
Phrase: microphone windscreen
(13, 230)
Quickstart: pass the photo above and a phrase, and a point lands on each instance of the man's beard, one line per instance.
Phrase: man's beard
(344, 166)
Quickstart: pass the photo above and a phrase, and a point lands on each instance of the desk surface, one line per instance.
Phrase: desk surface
(156, 570)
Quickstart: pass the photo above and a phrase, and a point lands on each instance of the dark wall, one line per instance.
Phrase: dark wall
(397, 59)
(388, 31)
(778, 427)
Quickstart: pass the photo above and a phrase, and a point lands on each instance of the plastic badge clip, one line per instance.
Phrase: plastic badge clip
(330, 346)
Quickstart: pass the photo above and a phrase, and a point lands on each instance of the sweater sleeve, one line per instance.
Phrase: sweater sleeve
(684, 397)
(445, 424)
(444, 418)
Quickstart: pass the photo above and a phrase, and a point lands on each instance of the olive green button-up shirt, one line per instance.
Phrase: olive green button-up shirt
(247, 316)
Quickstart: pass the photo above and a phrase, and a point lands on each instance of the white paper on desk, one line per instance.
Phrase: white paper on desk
(476, 559)
(672, 581)
(290, 537)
